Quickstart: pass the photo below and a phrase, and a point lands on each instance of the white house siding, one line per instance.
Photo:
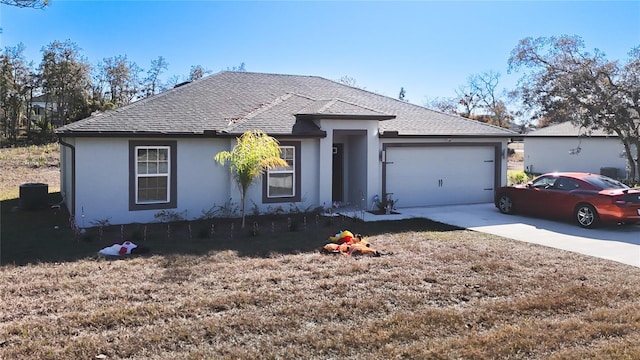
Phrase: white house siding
(549, 154)
(432, 172)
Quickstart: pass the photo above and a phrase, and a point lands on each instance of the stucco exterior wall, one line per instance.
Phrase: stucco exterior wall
(102, 184)
(202, 182)
(66, 173)
(310, 173)
(309, 177)
(102, 180)
(102, 174)
(548, 154)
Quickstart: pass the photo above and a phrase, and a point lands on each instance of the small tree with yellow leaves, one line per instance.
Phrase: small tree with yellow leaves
(254, 153)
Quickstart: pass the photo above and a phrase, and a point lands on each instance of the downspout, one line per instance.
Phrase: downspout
(73, 174)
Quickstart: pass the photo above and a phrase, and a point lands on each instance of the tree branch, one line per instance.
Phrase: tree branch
(35, 4)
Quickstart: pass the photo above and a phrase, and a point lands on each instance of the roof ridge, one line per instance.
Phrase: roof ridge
(277, 101)
(359, 105)
(330, 103)
(235, 122)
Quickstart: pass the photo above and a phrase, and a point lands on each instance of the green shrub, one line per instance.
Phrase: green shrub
(517, 177)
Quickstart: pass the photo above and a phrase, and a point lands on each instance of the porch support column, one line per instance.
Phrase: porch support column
(325, 170)
(373, 165)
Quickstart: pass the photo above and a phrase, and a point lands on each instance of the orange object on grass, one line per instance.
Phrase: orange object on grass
(345, 243)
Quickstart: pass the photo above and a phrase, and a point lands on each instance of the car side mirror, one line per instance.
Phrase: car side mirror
(529, 185)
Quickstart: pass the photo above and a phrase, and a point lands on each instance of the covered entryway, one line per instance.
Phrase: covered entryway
(425, 174)
(349, 167)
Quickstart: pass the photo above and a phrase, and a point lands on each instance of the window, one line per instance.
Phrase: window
(152, 174)
(282, 184)
(566, 184)
(545, 182)
(604, 183)
(152, 178)
(281, 179)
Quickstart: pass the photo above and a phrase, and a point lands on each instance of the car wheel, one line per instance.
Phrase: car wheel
(586, 216)
(505, 204)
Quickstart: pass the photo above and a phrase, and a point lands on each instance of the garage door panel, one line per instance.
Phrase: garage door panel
(407, 167)
(423, 176)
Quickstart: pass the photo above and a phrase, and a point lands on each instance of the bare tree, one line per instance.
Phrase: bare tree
(445, 105)
(480, 100)
(122, 79)
(565, 82)
(35, 4)
(468, 99)
(198, 72)
(348, 80)
(239, 68)
(402, 95)
(153, 83)
(486, 86)
(173, 81)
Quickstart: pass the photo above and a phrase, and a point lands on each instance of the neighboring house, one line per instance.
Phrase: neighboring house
(41, 104)
(343, 143)
(565, 147)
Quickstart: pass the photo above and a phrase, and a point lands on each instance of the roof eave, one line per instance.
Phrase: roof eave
(121, 134)
(155, 134)
(380, 117)
(299, 135)
(395, 134)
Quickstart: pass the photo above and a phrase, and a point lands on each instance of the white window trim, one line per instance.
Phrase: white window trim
(167, 175)
(291, 170)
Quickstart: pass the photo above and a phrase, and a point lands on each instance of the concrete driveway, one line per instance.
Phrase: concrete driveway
(617, 243)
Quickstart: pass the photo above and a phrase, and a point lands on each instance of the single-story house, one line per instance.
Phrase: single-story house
(343, 144)
(566, 147)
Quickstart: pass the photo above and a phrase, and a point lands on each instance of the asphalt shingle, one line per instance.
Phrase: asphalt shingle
(567, 129)
(233, 102)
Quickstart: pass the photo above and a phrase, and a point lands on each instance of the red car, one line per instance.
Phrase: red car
(588, 199)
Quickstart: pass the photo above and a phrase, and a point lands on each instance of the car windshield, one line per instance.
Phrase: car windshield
(605, 183)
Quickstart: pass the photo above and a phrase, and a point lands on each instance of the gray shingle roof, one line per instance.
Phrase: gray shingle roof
(567, 129)
(233, 102)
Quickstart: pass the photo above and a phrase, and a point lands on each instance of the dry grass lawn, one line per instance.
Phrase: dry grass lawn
(30, 164)
(439, 293)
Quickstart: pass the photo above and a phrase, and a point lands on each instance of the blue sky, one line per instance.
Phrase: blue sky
(428, 47)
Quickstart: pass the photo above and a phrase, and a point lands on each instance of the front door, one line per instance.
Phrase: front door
(338, 172)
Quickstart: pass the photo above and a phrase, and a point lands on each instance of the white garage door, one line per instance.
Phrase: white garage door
(439, 175)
